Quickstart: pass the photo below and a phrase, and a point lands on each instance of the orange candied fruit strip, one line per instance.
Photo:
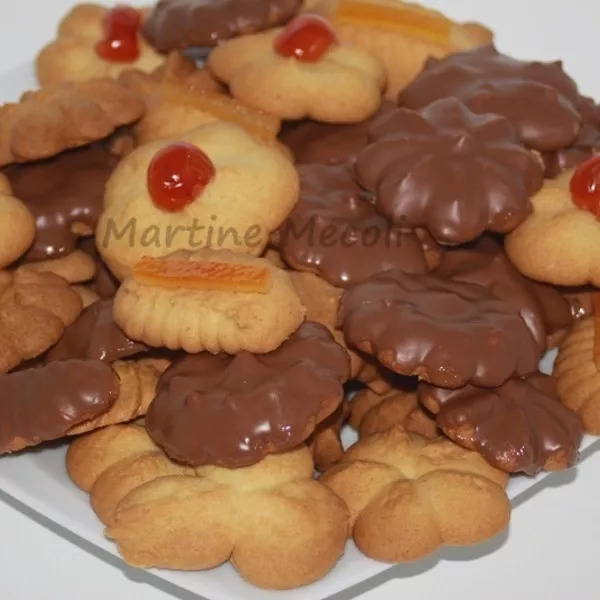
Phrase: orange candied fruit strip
(396, 16)
(202, 275)
(596, 304)
(225, 108)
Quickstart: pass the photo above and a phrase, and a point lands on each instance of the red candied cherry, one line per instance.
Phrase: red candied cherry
(177, 175)
(120, 42)
(585, 186)
(306, 38)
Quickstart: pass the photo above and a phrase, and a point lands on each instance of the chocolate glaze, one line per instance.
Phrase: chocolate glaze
(556, 309)
(335, 232)
(233, 410)
(519, 426)
(181, 24)
(486, 264)
(42, 404)
(448, 333)
(539, 99)
(581, 300)
(95, 335)
(62, 191)
(449, 171)
(327, 143)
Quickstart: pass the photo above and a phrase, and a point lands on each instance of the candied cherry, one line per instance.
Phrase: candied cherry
(120, 42)
(585, 186)
(306, 38)
(177, 175)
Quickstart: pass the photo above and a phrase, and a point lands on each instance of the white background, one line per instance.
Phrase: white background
(551, 549)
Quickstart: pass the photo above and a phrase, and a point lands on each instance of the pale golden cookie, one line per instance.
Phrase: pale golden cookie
(72, 55)
(277, 526)
(371, 413)
(35, 308)
(215, 321)
(559, 242)
(408, 496)
(253, 191)
(46, 122)
(76, 267)
(325, 443)
(344, 86)
(402, 35)
(88, 295)
(17, 225)
(578, 376)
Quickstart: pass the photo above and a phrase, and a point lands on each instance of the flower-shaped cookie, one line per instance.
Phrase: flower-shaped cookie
(577, 373)
(71, 397)
(539, 99)
(270, 402)
(449, 170)
(17, 225)
(277, 526)
(335, 232)
(35, 308)
(342, 86)
(519, 426)
(65, 194)
(181, 24)
(448, 333)
(221, 316)
(559, 242)
(253, 190)
(46, 122)
(75, 56)
(408, 496)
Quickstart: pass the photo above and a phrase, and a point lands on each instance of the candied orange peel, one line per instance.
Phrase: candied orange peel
(396, 16)
(596, 305)
(202, 275)
(224, 108)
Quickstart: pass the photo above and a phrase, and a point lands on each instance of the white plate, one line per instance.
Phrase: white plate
(39, 480)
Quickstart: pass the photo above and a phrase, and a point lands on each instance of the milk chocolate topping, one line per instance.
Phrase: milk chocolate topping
(335, 232)
(181, 24)
(328, 143)
(42, 404)
(539, 99)
(62, 191)
(95, 335)
(233, 410)
(487, 265)
(556, 309)
(448, 333)
(449, 171)
(519, 426)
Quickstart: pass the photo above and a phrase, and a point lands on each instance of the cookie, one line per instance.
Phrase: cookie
(181, 24)
(65, 194)
(325, 443)
(277, 526)
(558, 242)
(409, 496)
(402, 35)
(448, 333)
(35, 308)
(76, 267)
(269, 403)
(46, 122)
(576, 373)
(17, 225)
(88, 295)
(218, 318)
(82, 49)
(335, 232)
(539, 99)
(520, 426)
(180, 98)
(372, 413)
(253, 189)
(71, 397)
(448, 170)
(342, 84)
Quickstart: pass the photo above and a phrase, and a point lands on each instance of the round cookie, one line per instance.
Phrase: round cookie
(270, 403)
(448, 170)
(446, 332)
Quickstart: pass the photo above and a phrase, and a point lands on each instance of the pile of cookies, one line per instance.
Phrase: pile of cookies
(231, 228)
